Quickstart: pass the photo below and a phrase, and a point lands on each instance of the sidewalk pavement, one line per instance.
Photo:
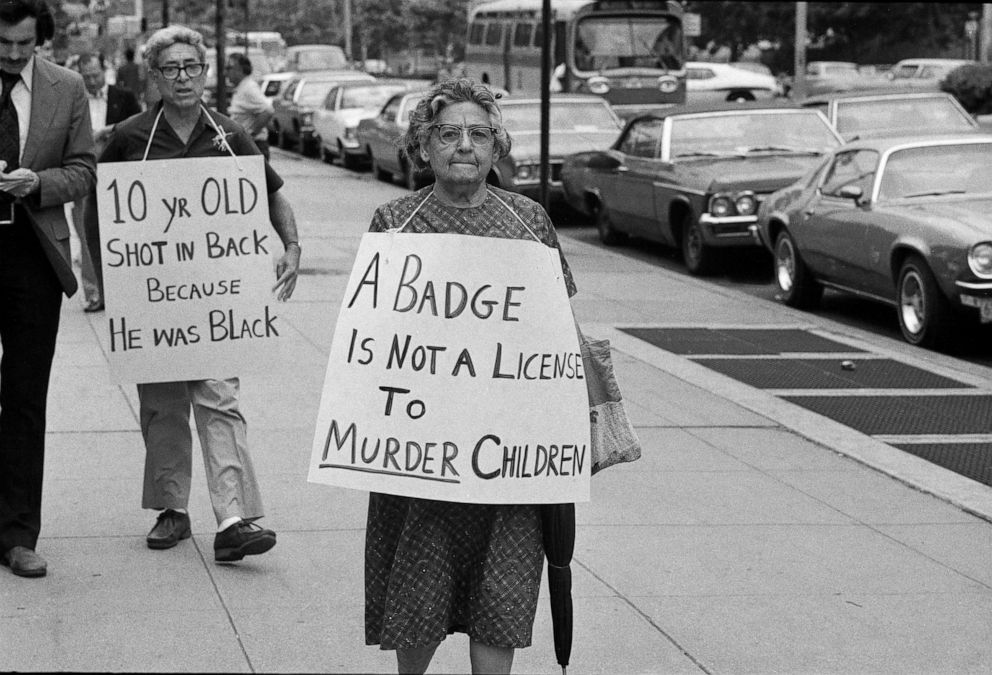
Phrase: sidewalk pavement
(743, 541)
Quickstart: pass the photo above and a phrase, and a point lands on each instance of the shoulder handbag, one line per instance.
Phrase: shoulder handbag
(612, 434)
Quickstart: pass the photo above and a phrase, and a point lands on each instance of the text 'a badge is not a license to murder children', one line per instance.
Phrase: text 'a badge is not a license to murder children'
(187, 252)
(455, 374)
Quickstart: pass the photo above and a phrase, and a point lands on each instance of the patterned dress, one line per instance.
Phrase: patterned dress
(434, 568)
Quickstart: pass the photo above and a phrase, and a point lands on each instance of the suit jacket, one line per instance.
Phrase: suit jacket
(121, 104)
(59, 149)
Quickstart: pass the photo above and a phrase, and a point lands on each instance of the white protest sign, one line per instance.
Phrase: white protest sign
(455, 374)
(187, 265)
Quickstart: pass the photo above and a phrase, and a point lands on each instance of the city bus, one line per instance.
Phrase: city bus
(631, 52)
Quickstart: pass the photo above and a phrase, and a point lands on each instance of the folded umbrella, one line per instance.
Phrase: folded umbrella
(558, 523)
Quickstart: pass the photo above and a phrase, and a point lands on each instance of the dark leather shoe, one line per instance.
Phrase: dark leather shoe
(93, 306)
(241, 539)
(24, 562)
(170, 527)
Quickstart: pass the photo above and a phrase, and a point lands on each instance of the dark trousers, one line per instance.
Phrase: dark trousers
(30, 301)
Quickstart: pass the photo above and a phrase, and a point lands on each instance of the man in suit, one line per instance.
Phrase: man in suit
(109, 104)
(46, 154)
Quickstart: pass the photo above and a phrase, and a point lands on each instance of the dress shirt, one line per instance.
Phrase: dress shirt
(21, 96)
(247, 103)
(98, 108)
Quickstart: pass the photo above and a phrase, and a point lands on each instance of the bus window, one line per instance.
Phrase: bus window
(522, 34)
(477, 30)
(605, 42)
(494, 36)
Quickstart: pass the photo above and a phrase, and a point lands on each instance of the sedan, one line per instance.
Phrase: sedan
(577, 123)
(379, 138)
(891, 113)
(904, 221)
(714, 82)
(924, 73)
(693, 177)
(335, 122)
(292, 123)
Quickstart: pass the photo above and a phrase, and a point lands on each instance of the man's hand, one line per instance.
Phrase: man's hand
(287, 269)
(19, 182)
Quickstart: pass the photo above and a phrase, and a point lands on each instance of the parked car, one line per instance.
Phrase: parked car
(577, 122)
(335, 122)
(292, 123)
(714, 82)
(379, 137)
(693, 177)
(273, 84)
(902, 220)
(924, 73)
(826, 76)
(314, 57)
(893, 113)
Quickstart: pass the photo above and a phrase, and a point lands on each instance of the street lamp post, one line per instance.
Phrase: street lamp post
(971, 35)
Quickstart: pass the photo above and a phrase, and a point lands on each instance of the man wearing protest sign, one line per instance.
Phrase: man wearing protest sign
(46, 161)
(180, 127)
(436, 567)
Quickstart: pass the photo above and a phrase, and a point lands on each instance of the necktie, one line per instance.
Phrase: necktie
(10, 137)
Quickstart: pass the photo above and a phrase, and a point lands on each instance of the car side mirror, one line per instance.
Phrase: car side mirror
(851, 192)
(603, 162)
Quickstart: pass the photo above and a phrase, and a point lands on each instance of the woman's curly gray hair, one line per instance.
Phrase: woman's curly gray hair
(441, 95)
(164, 38)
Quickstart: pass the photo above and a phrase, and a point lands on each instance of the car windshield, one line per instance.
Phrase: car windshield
(937, 170)
(581, 117)
(372, 97)
(936, 114)
(320, 59)
(608, 42)
(313, 92)
(751, 133)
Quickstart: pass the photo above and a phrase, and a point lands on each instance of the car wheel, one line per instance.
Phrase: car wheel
(284, 140)
(608, 234)
(306, 145)
(699, 258)
(925, 316)
(350, 162)
(795, 283)
(326, 155)
(380, 173)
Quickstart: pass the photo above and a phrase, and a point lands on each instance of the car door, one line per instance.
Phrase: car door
(283, 107)
(630, 192)
(834, 225)
(323, 118)
(382, 133)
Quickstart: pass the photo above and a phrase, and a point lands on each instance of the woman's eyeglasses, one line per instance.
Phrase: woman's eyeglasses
(452, 133)
(191, 69)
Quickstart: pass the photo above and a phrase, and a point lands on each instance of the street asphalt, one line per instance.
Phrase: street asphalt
(753, 536)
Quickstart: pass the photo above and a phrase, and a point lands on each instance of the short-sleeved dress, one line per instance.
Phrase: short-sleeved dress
(433, 568)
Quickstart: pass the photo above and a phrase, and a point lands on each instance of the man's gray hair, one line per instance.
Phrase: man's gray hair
(164, 38)
(441, 95)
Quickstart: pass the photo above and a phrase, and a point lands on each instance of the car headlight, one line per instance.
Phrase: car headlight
(745, 203)
(980, 259)
(350, 133)
(306, 119)
(721, 206)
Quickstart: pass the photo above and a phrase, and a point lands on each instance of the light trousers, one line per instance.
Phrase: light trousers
(223, 434)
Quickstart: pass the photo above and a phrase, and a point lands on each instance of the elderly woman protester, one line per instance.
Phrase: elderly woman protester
(180, 127)
(434, 568)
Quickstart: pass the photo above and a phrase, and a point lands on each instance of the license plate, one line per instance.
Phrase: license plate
(984, 306)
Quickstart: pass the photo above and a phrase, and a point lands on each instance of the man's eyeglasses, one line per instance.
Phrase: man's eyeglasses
(191, 69)
(452, 133)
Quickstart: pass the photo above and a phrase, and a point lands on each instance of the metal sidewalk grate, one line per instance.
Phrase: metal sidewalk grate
(973, 460)
(905, 415)
(829, 374)
(738, 341)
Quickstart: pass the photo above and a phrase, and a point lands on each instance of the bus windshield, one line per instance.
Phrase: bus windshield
(611, 42)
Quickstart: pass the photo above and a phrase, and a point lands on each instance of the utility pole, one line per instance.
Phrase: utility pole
(347, 30)
(220, 28)
(545, 100)
(799, 81)
(165, 13)
(985, 34)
